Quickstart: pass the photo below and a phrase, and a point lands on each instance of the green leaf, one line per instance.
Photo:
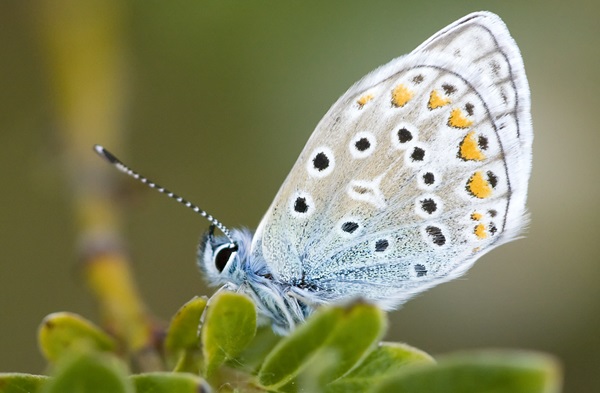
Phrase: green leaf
(62, 332)
(21, 383)
(354, 337)
(183, 331)
(294, 351)
(182, 343)
(254, 355)
(332, 343)
(163, 382)
(386, 360)
(89, 373)
(491, 371)
(229, 326)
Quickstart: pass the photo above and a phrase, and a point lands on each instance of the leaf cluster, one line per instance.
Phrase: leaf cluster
(214, 345)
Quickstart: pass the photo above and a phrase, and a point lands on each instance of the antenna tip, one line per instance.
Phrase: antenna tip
(102, 152)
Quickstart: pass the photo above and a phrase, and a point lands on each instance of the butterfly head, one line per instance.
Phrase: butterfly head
(227, 262)
(221, 259)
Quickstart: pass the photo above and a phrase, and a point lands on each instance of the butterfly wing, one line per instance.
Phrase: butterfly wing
(416, 171)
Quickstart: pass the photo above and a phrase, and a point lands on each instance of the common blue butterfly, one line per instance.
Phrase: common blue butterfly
(418, 170)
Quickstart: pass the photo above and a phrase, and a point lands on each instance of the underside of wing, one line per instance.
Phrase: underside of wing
(415, 172)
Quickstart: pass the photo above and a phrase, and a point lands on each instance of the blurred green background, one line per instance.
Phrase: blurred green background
(215, 100)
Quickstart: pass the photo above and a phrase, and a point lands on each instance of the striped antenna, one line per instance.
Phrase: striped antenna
(108, 156)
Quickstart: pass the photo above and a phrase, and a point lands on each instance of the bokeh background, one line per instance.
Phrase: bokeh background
(215, 99)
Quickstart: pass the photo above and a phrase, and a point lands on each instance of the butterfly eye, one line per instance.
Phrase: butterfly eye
(223, 255)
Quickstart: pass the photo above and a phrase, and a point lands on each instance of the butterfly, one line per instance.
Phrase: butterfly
(419, 169)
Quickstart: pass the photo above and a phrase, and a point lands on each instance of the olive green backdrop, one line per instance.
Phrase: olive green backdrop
(218, 99)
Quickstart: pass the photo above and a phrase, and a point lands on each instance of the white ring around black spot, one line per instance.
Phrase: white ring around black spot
(428, 206)
(416, 155)
(435, 235)
(349, 227)
(362, 144)
(428, 179)
(321, 162)
(301, 205)
(403, 135)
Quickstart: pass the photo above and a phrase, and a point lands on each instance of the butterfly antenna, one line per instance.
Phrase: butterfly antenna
(108, 156)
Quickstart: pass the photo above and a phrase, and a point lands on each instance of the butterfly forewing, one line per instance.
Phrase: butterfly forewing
(420, 168)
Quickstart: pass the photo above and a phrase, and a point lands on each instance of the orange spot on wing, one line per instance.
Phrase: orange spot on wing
(401, 95)
(478, 186)
(436, 100)
(476, 216)
(469, 149)
(458, 120)
(362, 101)
(480, 231)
